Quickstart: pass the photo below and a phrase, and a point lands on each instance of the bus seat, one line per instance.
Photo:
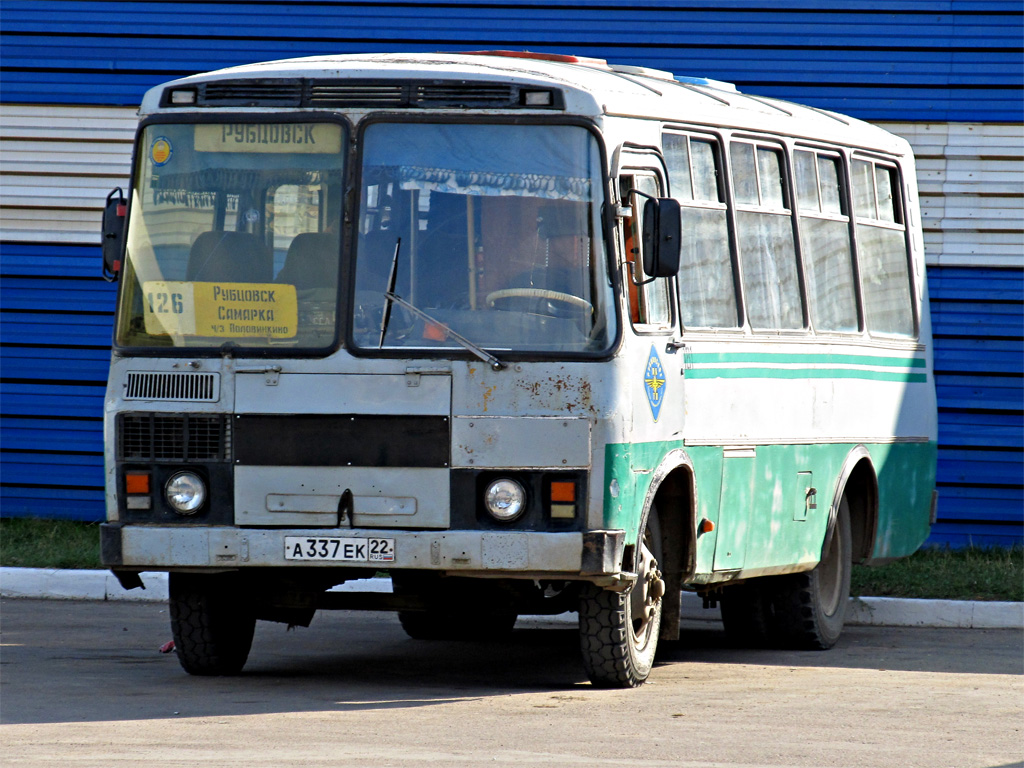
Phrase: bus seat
(311, 262)
(229, 257)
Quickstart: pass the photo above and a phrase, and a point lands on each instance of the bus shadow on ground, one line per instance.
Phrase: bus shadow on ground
(90, 662)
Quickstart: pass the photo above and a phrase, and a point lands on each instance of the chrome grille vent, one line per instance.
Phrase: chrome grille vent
(471, 94)
(174, 437)
(343, 94)
(188, 387)
(242, 93)
(352, 93)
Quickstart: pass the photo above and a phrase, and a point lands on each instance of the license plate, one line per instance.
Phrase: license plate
(337, 549)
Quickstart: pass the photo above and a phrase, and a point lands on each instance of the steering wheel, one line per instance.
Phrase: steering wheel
(571, 302)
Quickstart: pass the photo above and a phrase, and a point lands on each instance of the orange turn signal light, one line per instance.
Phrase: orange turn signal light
(563, 491)
(705, 526)
(136, 482)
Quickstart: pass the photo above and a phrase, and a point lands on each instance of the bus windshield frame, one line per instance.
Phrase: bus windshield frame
(493, 227)
(248, 209)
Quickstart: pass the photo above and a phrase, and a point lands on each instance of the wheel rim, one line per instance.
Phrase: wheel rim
(830, 581)
(645, 595)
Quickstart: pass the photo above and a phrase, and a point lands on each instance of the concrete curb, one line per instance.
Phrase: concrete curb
(875, 611)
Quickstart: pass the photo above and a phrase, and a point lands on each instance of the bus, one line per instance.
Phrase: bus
(528, 333)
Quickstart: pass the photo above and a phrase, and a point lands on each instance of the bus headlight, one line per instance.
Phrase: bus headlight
(185, 492)
(505, 499)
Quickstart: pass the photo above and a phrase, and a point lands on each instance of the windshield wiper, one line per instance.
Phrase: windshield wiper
(483, 354)
(391, 297)
(385, 317)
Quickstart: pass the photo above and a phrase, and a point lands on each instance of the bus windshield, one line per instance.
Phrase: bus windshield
(233, 236)
(491, 230)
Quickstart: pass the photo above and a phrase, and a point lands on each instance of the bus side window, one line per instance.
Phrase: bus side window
(825, 242)
(707, 290)
(648, 301)
(882, 249)
(766, 244)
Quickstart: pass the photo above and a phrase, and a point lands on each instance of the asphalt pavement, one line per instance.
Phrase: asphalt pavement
(86, 686)
(864, 611)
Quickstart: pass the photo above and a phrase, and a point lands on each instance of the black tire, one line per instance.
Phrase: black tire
(211, 623)
(619, 630)
(809, 609)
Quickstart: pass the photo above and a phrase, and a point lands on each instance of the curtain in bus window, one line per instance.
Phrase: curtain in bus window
(744, 174)
(885, 183)
(768, 262)
(806, 181)
(825, 243)
(886, 280)
(705, 172)
(831, 196)
(863, 190)
(769, 171)
(464, 159)
(707, 294)
(677, 160)
(828, 268)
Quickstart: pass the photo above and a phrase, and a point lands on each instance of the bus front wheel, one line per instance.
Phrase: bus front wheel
(619, 630)
(212, 625)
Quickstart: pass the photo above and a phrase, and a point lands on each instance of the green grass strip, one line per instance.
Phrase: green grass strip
(31, 542)
(974, 573)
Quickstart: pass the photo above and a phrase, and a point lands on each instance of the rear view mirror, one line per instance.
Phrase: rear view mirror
(661, 236)
(113, 234)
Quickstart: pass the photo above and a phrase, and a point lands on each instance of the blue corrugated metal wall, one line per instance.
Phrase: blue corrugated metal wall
(881, 60)
(56, 318)
(896, 60)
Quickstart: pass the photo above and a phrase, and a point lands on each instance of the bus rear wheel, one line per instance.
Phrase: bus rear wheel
(619, 630)
(211, 623)
(810, 608)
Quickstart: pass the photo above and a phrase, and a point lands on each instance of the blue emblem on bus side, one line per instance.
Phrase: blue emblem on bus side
(654, 383)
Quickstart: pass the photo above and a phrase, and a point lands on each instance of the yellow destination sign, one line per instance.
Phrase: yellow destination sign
(226, 310)
(303, 138)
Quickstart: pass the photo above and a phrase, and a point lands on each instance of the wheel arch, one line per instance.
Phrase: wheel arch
(673, 491)
(858, 482)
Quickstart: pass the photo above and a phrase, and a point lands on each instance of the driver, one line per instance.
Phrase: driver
(558, 279)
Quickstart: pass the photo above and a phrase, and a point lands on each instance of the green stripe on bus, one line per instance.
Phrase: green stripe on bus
(834, 359)
(803, 373)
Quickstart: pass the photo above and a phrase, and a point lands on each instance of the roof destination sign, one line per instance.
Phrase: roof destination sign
(301, 138)
(253, 310)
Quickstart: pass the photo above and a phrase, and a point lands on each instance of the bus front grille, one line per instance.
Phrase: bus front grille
(189, 387)
(173, 437)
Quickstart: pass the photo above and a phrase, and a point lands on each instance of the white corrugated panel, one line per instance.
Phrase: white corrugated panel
(971, 178)
(58, 163)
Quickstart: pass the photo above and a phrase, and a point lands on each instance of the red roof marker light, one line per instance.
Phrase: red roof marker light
(559, 57)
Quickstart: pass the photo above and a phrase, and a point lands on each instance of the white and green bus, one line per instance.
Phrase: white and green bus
(531, 333)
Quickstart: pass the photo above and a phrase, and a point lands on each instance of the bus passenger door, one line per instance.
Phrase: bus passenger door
(655, 368)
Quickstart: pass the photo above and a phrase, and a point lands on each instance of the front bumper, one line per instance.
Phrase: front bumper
(590, 555)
